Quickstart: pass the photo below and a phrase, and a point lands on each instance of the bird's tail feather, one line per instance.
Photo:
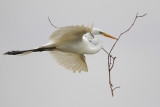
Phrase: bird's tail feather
(18, 52)
(25, 52)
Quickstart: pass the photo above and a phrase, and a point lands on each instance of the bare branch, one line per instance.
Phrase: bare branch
(111, 65)
(51, 23)
(116, 88)
(126, 30)
(105, 51)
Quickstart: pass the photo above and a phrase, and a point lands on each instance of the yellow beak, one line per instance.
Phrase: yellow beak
(107, 35)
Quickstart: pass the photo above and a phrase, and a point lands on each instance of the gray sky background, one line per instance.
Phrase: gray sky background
(36, 80)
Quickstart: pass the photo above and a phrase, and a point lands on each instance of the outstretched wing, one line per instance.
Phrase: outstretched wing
(71, 61)
(69, 32)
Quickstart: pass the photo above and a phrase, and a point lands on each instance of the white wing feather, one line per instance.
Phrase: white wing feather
(69, 32)
(71, 61)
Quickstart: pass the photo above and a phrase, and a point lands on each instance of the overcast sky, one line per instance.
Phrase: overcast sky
(36, 80)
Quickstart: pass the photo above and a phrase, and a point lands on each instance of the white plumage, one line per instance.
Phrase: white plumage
(71, 61)
(69, 44)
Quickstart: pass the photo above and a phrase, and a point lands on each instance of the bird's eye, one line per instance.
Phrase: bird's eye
(100, 32)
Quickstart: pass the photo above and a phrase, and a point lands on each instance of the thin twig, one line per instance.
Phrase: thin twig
(51, 23)
(105, 51)
(126, 30)
(111, 65)
(115, 88)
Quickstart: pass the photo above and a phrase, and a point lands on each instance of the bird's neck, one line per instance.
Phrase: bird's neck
(94, 48)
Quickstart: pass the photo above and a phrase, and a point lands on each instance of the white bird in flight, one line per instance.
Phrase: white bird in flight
(69, 44)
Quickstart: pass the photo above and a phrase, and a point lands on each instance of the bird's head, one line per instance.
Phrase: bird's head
(96, 31)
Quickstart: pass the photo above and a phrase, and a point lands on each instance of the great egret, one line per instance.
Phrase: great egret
(69, 44)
